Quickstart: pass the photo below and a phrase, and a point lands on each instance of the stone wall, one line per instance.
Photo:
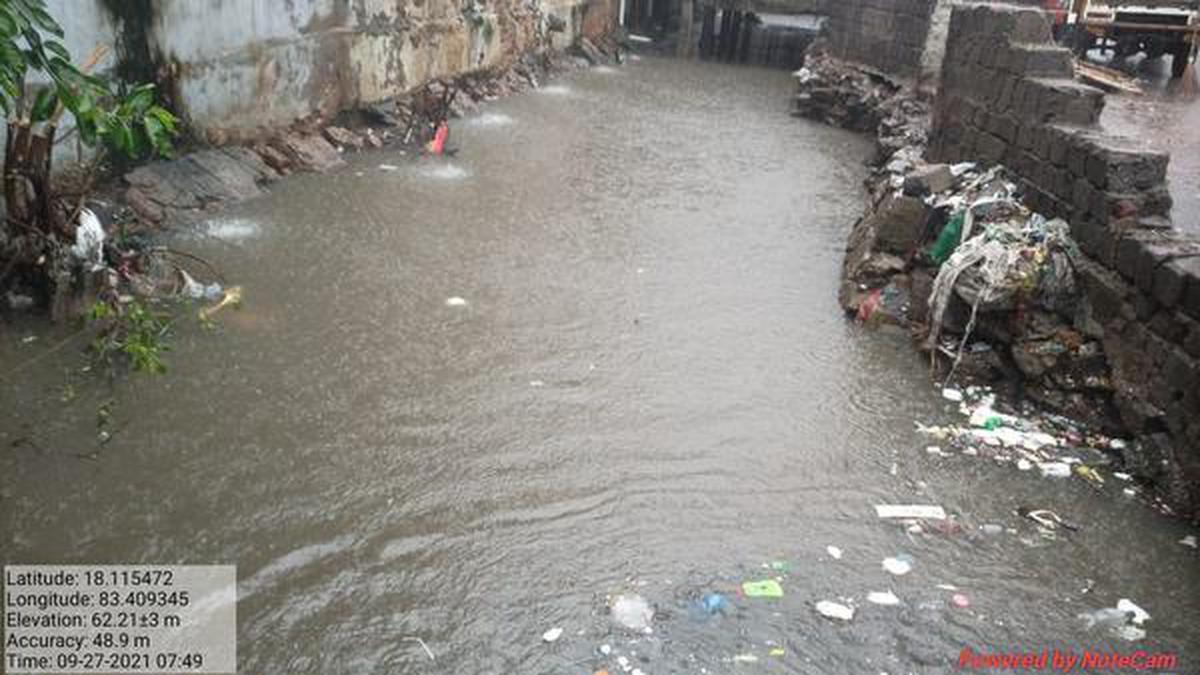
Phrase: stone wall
(1008, 96)
(231, 67)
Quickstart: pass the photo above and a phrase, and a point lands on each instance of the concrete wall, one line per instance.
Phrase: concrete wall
(1008, 95)
(231, 67)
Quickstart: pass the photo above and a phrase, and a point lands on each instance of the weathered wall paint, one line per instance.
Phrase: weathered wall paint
(232, 68)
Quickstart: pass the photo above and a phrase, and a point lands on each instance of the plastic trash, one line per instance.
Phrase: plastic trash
(960, 601)
(1140, 615)
(898, 565)
(232, 298)
(552, 635)
(949, 239)
(89, 240)
(910, 511)
(714, 602)
(834, 552)
(952, 395)
(1189, 541)
(1046, 518)
(1055, 469)
(388, 167)
(438, 145)
(745, 658)
(885, 598)
(456, 302)
(605, 649)
(835, 610)
(198, 291)
(992, 528)
(632, 612)
(767, 588)
(777, 651)
(1024, 464)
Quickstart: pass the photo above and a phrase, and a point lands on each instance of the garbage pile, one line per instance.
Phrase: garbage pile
(851, 97)
(950, 253)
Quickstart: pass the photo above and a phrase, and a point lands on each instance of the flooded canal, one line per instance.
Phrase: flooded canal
(647, 388)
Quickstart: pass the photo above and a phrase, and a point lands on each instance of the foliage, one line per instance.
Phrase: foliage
(119, 118)
(131, 330)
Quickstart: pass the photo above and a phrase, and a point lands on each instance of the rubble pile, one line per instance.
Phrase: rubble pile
(852, 97)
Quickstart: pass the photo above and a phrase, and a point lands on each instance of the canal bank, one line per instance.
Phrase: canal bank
(647, 388)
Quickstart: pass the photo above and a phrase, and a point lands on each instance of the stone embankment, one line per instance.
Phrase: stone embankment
(1101, 325)
(195, 185)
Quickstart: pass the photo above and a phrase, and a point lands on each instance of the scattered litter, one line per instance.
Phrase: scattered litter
(1046, 518)
(947, 587)
(745, 658)
(959, 600)
(606, 649)
(456, 302)
(1189, 541)
(767, 588)
(910, 511)
(633, 37)
(428, 651)
(952, 395)
(388, 167)
(777, 651)
(1119, 475)
(714, 602)
(936, 450)
(89, 240)
(1024, 464)
(232, 298)
(1055, 469)
(779, 566)
(1140, 615)
(835, 610)
(834, 552)
(632, 612)
(198, 291)
(992, 528)
(1123, 621)
(552, 635)
(885, 598)
(898, 565)
(28, 339)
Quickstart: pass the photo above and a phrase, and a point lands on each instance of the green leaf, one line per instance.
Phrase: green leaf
(44, 105)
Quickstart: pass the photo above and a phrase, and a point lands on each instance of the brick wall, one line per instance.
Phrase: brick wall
(888, 35)
(1008, 96)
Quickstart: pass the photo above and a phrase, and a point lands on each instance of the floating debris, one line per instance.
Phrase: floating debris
(632, 612)
(834, 552)
(885, 598)
(898, 565)
(767, 588)
(835, 610)
(1189, 541)
(456, 302)
(552, 635)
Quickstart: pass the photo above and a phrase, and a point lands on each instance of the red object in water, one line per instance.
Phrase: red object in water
(438, 144)
(869, 304)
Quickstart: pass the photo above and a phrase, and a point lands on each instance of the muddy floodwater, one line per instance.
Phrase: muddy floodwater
(647, 388)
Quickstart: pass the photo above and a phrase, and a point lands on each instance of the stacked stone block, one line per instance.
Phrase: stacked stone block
(1008, 96)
